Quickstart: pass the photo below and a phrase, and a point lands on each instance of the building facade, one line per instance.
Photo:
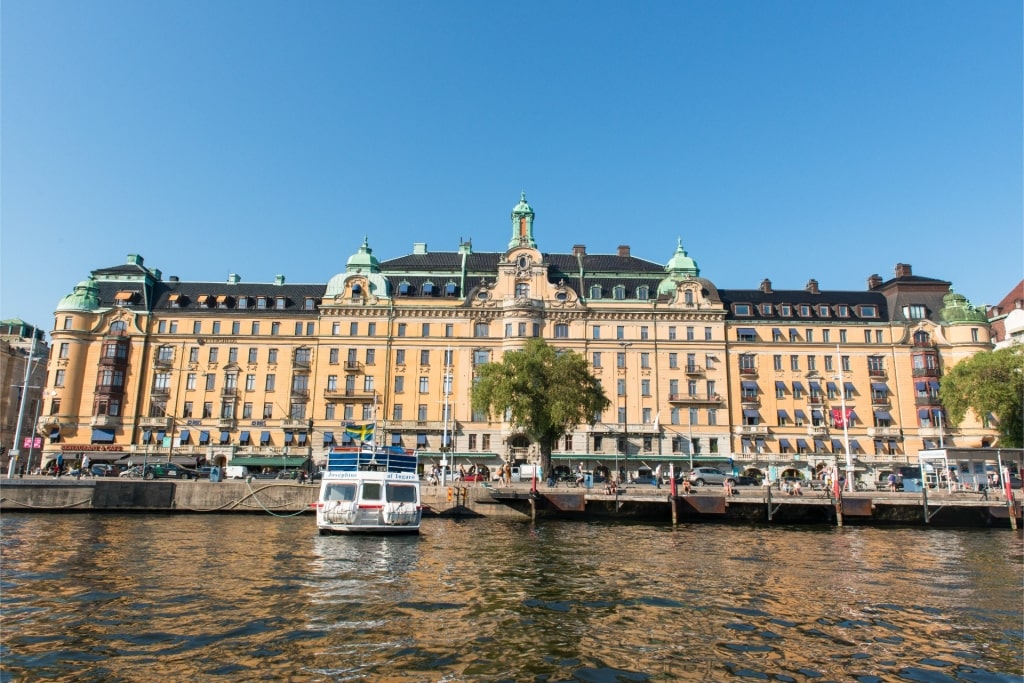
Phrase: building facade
(756, 379)
(23, 354)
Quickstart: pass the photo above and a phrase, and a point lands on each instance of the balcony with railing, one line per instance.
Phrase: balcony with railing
(817, 430)
(227, 424)
(877, 372)
(752, 429)
(295, 424)
(299, 394)
(353, 366)
(748, 371)
(105, 421)
(163, 363)
(229, 392)
(928, 400)
(925, 372)
(160, 392)
(815, 400)
(694, 370)
(750, 401)
(695, 398)
(883, 432)
(881, 401)
(163, 422)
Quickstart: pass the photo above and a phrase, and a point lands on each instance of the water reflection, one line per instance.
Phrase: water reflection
(256, 598)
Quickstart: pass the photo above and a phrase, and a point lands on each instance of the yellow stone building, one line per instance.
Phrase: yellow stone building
(273, 374)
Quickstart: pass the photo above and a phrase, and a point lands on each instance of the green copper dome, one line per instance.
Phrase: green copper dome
(363, 260)
(680, 263)
(957, 309)
(522, 206)
(84, 298)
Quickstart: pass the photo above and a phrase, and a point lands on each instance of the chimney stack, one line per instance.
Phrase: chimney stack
(874, 281)
(623, 250)
(812, 286)
(766, 286)
(903, 270)
(579, 249)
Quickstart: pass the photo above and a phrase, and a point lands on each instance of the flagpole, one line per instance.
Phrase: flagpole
(846, 429)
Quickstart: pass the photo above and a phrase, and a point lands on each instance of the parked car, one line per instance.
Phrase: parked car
(700, 476)
(167, 470)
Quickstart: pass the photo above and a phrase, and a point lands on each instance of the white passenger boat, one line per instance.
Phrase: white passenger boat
(375, 491)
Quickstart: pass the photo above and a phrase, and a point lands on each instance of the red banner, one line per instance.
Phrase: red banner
(838, 418)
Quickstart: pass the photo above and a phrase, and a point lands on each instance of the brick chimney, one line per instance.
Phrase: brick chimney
(766, 286)
(579, 249)
(903, 270)
(623, 250)
(874, 281)
(812, 286)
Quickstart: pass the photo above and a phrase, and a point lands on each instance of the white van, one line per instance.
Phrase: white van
(236, 472)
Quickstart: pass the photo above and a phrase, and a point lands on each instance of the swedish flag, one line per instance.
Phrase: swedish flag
(361, 432)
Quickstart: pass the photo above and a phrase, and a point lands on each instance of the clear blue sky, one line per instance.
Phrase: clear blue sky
(786, 139)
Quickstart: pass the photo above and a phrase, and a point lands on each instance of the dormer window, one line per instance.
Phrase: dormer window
(914, 312)
(279, 303)
(643, 293)
(175, 300)
(766, 309)
(428, 288)
(261, 302)
(357, 289)
(688, 297)
(741, 309)
(404, 288)
(124, 298)
(309, 304)
(451, 289)
(785, 310)
(223, 301)
(843, 311)
(823, 311)
(204, 300)
(805, 311)
(869, 311)
(619, 292)
(595, 291)
(243, 302)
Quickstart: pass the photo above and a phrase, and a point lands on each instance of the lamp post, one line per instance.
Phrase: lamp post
(625, 405)
(846, 430)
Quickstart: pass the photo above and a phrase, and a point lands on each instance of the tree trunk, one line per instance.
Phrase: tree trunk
(545, 457)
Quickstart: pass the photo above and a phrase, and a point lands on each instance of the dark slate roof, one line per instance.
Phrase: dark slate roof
(796, 297)
(295, 295)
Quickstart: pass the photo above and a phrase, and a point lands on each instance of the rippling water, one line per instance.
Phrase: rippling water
(176, 598)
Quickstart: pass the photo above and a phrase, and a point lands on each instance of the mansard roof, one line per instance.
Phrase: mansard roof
(797, 297)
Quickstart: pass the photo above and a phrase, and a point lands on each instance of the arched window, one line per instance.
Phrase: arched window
(688, 297)
(595, 291)
(404, 288)
(451, 289)
(619, 292)
(643, 292)
(921, 338)
(118, 327)
(522, 290)
(428, 288)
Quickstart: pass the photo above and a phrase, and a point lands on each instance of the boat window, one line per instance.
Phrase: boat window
(372, 490)
(401, 493)
(346, 492)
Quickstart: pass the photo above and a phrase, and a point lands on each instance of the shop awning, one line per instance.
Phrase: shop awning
(102, 435)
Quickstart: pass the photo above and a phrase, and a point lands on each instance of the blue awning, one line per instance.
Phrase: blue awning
(759, 440)
(204, 437)
(783, 415)
(837, 445)
(793, 332)
(799, 414)
(816, 415)
(880, 386)
(102, 435)
(346, 438)
(800, 443)
(854, 446)
(745, 440)
(396, 439)
(776, 333)
(264, 438)
(783, 443)
(183, 436)
(421, 439)
(937, 414)
(225, 436)
(815, 387)
(745, 330)
(147, 434)
(882, 415)
(328, 438)
(849, 386)
(798, 386)
(934, 385)
(747, 384)
(819, 444)
(923, 413)
(287, 438)
(779, 384)
(243, 438)
(750, 412)
(920, 386)
(853, 415)
(302, 438)
(831, 386)
(160, 436)
(892, 445)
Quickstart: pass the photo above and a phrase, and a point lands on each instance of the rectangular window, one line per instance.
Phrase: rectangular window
(272, 356)
(449, 330)
(643, 332)
(268, 411)
(336, 329)
(809, 336)
(370, 356)
(207, 410)
(480, 329)
(842, 336)
(400, 357)
(794, 362)
(401, 329)
(250, 382)
(707, 334)
(253, 356)
(396, 411)
(645, 360)
(673, 360)
(298, 328)
(197, 327)
(812, 364)
(620, 387)
(211, 381)
(247, 411)
(620, 332)
(694, 416)
(353, 329)
(596, 331)
(424, 385)
(597, 359)
(421, 412)
(689, 333)
(777, 362)
(270, 383)
(275, 328)
(214, 353)
(826, 336)
(672, 332)
(255, 328)
(425, 357)
(233, 354)
(845, 363)
(620, 359)
(371, 329)
(190, 381)
(425, 330)
(645, 387)
(329, 411)
(399, 384)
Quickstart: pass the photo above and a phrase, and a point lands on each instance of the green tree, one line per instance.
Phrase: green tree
(546, 391)
(989, 382)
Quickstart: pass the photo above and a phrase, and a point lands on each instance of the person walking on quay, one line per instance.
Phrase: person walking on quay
(657, 477)
(59, 466)
(892, 481)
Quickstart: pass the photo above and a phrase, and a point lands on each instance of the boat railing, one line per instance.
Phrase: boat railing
(393, 459)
